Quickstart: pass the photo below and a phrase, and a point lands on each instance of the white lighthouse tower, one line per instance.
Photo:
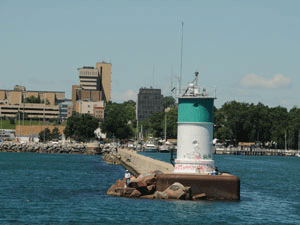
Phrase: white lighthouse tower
(195, 130)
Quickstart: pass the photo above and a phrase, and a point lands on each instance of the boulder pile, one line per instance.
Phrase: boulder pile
(66, 148)
(144, 186)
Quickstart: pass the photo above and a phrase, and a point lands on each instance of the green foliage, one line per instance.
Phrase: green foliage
(55, 133)
(169, 101)
(21, 116)
(156, 124)
(81, 127)
(45, 135)
(47, 101)
(12, 121)
(35, 100)
(243, 122)
(119, 120)
(32, 99)
(172, 117)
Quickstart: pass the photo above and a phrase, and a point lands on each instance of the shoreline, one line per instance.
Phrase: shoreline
(51, 148)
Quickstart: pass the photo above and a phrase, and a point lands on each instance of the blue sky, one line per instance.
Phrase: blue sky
(249, 50)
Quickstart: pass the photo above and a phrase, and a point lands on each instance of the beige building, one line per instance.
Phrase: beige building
(95, 109)
(93, 91)
(104, 69)
(17, 100)
(79, 93)
(92, 80)
(89, 78)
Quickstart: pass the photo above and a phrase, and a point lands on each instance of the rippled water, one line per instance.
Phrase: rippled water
(70, 189)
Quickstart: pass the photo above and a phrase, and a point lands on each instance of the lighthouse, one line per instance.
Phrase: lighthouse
(195, 129)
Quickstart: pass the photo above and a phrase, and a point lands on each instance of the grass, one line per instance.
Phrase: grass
(5, 124)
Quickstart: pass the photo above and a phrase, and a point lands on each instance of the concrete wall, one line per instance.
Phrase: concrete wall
(30, 93)
(14, 97)
(2, 95)
(143, 164)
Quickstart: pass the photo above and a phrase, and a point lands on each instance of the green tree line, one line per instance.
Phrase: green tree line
(234, 122)
(243, 122)
(120, 120)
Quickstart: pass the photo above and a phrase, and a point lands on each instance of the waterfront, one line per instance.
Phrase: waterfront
(71, 189)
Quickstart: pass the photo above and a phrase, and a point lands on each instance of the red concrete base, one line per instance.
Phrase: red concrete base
(217, 187)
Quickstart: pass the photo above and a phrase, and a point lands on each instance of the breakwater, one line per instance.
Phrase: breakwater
(254, 151)
(154, 179)
(64, 148)
(137, 164)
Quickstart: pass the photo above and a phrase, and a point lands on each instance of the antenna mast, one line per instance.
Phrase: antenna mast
(181, 59)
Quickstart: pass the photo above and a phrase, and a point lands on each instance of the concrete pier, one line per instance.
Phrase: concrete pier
(215, 187)
(139, 164)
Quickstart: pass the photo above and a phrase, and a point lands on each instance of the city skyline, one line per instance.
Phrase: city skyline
(248, 50)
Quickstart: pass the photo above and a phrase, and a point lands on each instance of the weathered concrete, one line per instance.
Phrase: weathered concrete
(142, 164)
(215, 187)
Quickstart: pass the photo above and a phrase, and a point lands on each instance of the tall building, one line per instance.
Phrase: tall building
(96, 79)
(149, 100)
(93, 91)
(89, 78)
(104, 69)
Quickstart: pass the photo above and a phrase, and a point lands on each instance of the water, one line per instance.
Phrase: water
(70, 189)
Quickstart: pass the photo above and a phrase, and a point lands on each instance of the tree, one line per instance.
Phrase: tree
(279, 126)
(119, 120)
(294, 126)
(55, 133)
(21, 115)
(32, 99)
(12, 121)
(45, 135)
(81, 127)
(157, 124)
(169, 101)
(172, 117)
(47, 101)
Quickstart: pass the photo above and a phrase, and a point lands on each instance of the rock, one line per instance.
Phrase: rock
(143, 180)
(160, 195)
(128, 191)
(135, 194)
(178, 191)
(115, 191)
(199, 197)
(151, 189)
(147, 197)
(117, 188)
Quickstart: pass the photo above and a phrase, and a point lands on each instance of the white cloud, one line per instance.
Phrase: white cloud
(124, 96)
(277, 81)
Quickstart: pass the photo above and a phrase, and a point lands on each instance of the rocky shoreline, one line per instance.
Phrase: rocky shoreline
(63, 148)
